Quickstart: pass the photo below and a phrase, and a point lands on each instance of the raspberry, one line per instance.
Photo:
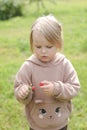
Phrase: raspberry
(41, 84)
(33, 88)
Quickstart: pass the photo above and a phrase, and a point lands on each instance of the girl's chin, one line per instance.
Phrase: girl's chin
(45, 60)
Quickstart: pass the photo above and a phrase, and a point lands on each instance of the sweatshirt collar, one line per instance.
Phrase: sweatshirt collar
(57, 59)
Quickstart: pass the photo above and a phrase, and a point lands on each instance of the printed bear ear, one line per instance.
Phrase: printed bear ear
(42, 111)
(57, 110)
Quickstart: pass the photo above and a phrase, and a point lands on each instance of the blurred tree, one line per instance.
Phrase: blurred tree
(10, 8)
(41, 3)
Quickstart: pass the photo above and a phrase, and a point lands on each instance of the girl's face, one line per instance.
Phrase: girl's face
(43, 49)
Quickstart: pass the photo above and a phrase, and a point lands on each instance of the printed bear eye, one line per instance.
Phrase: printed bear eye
(57, 109)
(42, 111)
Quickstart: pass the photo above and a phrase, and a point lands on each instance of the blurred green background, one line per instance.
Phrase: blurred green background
(14, 50)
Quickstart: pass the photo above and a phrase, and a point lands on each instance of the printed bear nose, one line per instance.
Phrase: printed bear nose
(50, 117)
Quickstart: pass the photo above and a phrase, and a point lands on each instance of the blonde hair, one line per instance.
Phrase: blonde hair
(51, 28)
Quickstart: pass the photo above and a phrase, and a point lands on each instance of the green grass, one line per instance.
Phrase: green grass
(14, 49)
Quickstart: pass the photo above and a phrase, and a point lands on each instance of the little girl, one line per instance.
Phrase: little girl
(47, 82)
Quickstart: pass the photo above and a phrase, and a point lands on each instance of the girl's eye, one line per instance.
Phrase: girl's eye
(38, 47)
(46, 47)
(49, 46)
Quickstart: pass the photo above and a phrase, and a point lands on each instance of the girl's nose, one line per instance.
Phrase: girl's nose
(43, 50)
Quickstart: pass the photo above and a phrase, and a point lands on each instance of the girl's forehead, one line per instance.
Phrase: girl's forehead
(37, 35)
(38, 38)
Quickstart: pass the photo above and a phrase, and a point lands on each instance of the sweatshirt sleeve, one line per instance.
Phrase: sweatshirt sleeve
(23, 78)
(69, 87)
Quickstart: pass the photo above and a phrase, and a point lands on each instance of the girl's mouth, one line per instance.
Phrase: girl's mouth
(44, 56)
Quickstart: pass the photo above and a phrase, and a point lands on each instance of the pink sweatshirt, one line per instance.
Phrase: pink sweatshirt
(48, 112)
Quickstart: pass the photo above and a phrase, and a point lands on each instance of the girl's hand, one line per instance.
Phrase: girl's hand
(24, 91)
(47, 87)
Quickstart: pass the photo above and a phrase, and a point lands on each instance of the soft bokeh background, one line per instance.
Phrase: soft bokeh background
(14, 50)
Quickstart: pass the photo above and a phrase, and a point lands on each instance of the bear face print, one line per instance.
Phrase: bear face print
(43, 113)
(49, 114)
